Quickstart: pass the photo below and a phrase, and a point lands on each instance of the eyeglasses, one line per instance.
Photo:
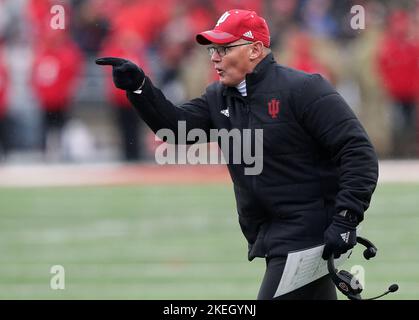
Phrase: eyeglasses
(222, 50)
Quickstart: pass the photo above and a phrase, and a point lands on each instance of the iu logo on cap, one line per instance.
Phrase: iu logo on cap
(273, 108)
(222, 18)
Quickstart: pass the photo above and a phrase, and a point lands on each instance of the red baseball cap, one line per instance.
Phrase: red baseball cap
(234, 25)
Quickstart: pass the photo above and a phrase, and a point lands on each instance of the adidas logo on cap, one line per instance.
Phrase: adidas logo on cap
(248, 34)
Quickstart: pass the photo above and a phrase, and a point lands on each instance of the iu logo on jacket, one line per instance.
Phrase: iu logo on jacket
(273, 108)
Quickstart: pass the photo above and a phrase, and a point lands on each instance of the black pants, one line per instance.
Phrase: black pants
(405, 129)
(321, 289)
(52, 120)
(129, 124)
(4, 139)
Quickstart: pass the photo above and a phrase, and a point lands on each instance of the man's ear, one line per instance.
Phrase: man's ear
(256, 51)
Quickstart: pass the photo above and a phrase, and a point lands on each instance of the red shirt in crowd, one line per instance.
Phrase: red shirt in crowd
(4, 84)
(301, 47)
(56, 67)
(398, 59)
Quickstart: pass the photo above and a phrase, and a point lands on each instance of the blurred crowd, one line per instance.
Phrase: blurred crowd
(57, 105)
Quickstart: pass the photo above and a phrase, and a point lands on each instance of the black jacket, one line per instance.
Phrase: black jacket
(317, 157)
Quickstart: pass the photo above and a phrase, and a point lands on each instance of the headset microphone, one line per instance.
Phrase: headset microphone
(393, 288)
(347, 283)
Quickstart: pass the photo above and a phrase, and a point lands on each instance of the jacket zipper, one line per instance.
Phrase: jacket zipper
(253, 177)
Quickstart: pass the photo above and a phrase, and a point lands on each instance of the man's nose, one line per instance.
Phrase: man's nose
(215, 57)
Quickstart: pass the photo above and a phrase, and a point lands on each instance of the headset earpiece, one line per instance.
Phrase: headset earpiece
(347, 283)
(345, 275)
(370, 253)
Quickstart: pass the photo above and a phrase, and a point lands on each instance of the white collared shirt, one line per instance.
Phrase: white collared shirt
(242, 88)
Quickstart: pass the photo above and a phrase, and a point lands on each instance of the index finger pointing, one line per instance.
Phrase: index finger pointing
(110, 61)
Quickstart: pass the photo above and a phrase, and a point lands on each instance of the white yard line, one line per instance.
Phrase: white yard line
(109, 174)
(399, 171)
(121, 174)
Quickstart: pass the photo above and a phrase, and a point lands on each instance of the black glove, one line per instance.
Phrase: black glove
(339, 237)
(126, 75)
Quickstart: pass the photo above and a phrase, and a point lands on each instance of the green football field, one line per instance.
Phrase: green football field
(171, 242)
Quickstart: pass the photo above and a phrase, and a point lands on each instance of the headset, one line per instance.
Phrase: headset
(347, 283)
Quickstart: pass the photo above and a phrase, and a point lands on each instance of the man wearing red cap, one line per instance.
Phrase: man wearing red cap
(319, 167)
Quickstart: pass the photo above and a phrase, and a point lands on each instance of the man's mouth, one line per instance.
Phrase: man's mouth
(219, 71)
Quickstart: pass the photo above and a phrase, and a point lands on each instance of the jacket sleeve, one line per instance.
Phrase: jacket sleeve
(332, 124)
(159, 113)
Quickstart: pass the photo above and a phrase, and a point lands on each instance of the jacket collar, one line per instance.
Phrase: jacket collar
(254, 77)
